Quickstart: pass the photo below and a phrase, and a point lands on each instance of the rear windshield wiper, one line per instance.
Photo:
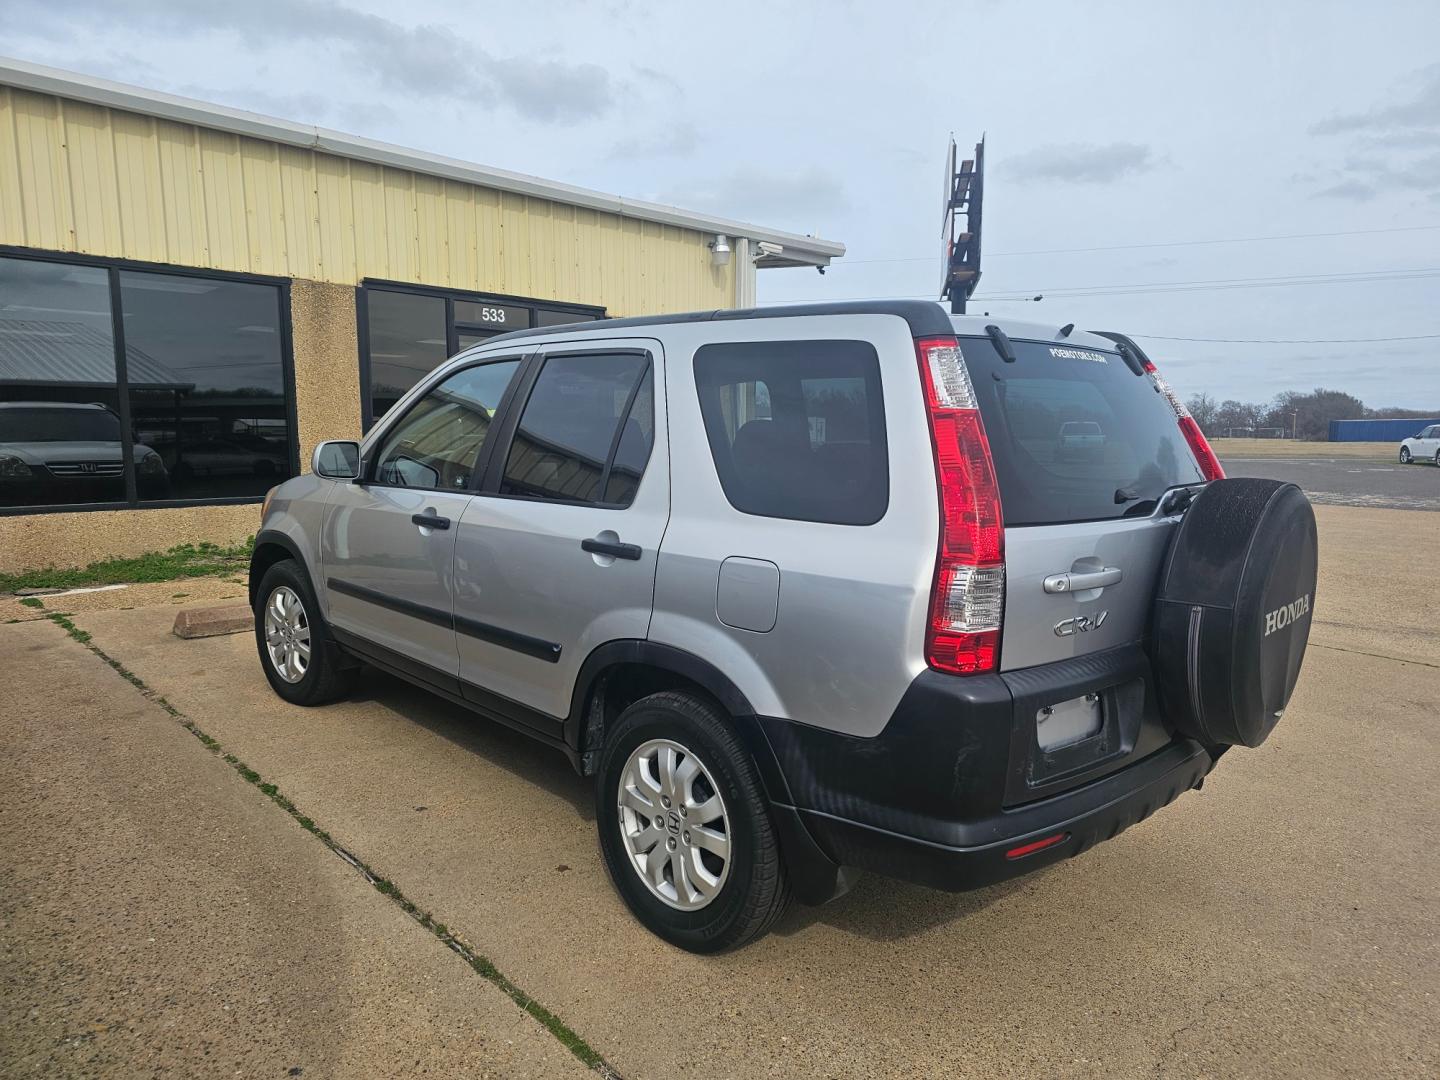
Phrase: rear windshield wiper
(1143, 508)
(1002, 343)
(1128, 350)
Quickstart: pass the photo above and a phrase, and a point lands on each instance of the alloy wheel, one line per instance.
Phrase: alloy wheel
(674, 824)
(287, 634)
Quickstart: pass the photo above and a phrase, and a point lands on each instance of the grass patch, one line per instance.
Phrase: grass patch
(561, 1031)
(31, 601)
(182, 561)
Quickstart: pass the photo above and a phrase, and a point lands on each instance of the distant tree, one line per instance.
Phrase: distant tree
(1392, 413)
(1232, 414)
(1203, 408)
(1309, 415)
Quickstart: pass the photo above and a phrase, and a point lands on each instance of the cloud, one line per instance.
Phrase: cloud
(679, 139)
(1402, 140)
(1420, 109)
(1389, 144)
(801, 196)
(552, 90)
(429, 60)
(1080, 163)
(1349, 189)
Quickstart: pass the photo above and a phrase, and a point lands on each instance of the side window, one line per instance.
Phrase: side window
(632, 451)
(797, 428)
(586, 432)
(437, 443)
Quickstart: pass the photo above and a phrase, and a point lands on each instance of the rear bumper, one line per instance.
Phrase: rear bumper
(957, 779)
(1096, 812)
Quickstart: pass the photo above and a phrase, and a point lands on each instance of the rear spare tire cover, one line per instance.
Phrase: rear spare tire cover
(1232, 615)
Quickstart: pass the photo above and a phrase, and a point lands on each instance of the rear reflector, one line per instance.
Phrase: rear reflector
(968, 596)
(1036, 845)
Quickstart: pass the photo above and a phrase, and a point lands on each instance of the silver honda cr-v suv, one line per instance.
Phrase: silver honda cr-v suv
(807, 590)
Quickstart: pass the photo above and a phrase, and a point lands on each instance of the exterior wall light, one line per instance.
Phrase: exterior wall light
(720, 250)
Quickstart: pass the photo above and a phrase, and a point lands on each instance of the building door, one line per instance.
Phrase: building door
(388, 547)
(557, 553)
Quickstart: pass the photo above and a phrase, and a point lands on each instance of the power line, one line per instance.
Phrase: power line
(1137, 247)
(1203, 284)
(1362, 277)
(1291, 341)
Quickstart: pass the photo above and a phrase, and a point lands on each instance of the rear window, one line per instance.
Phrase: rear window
(1075, 434)
(797, 428)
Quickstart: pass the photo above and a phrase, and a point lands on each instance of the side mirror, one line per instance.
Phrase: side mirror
(336, 459)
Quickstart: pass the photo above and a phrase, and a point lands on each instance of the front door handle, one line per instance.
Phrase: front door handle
(609, 547)
(1080, 580)
(430, 520)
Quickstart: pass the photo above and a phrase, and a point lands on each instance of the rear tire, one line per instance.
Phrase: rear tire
(300, 659)
(1404, 455)
(1437, 457)
(682, 890)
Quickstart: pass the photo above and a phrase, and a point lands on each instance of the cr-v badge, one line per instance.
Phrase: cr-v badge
(1080, 624)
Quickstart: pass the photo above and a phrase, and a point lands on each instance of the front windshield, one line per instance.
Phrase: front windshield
(58, 425)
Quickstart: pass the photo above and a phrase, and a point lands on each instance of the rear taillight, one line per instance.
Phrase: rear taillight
(1204, 456)
(968, 597)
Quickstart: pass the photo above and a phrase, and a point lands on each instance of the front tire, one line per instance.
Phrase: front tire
(1404, 455)
(684, 825)
(297, 653)
(1437, 458)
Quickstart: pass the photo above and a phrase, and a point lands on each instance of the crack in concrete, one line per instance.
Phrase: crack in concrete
(478, 963)
(1174, 1047)
(1376, 655)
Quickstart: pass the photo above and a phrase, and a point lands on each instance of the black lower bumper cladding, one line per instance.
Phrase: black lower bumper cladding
(1082, 819)
(931, 799)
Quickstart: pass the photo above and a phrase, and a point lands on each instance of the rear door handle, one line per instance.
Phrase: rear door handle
(430, 520)
(607, 547)
(1079, 581)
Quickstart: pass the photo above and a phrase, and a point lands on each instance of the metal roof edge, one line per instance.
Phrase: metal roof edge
(58, 82)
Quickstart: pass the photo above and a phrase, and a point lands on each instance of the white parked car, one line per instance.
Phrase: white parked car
(1422, 447)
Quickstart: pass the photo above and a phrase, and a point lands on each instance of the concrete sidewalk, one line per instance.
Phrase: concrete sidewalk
(161, 917)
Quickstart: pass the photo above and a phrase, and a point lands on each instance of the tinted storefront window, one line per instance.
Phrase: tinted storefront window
(550, 317)
(207, 386)
(407, 342)
(203, 382)
(60, 440)
(410, 332)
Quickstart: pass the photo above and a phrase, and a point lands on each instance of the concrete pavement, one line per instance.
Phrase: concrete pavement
(161, 917)
(1283, 922)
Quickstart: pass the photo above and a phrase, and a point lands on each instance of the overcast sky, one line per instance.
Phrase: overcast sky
(1114, 126)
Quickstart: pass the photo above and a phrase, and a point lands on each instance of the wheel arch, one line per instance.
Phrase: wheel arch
(271, 547)
(618, 672)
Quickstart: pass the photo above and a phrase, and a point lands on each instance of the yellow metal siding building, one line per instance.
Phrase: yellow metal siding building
(126, 179)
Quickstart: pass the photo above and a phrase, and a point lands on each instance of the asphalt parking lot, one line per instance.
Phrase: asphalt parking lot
(165, 916)
(1348, 481)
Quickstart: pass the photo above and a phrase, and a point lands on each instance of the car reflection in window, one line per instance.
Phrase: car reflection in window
(1081, 439)
(60, 452)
